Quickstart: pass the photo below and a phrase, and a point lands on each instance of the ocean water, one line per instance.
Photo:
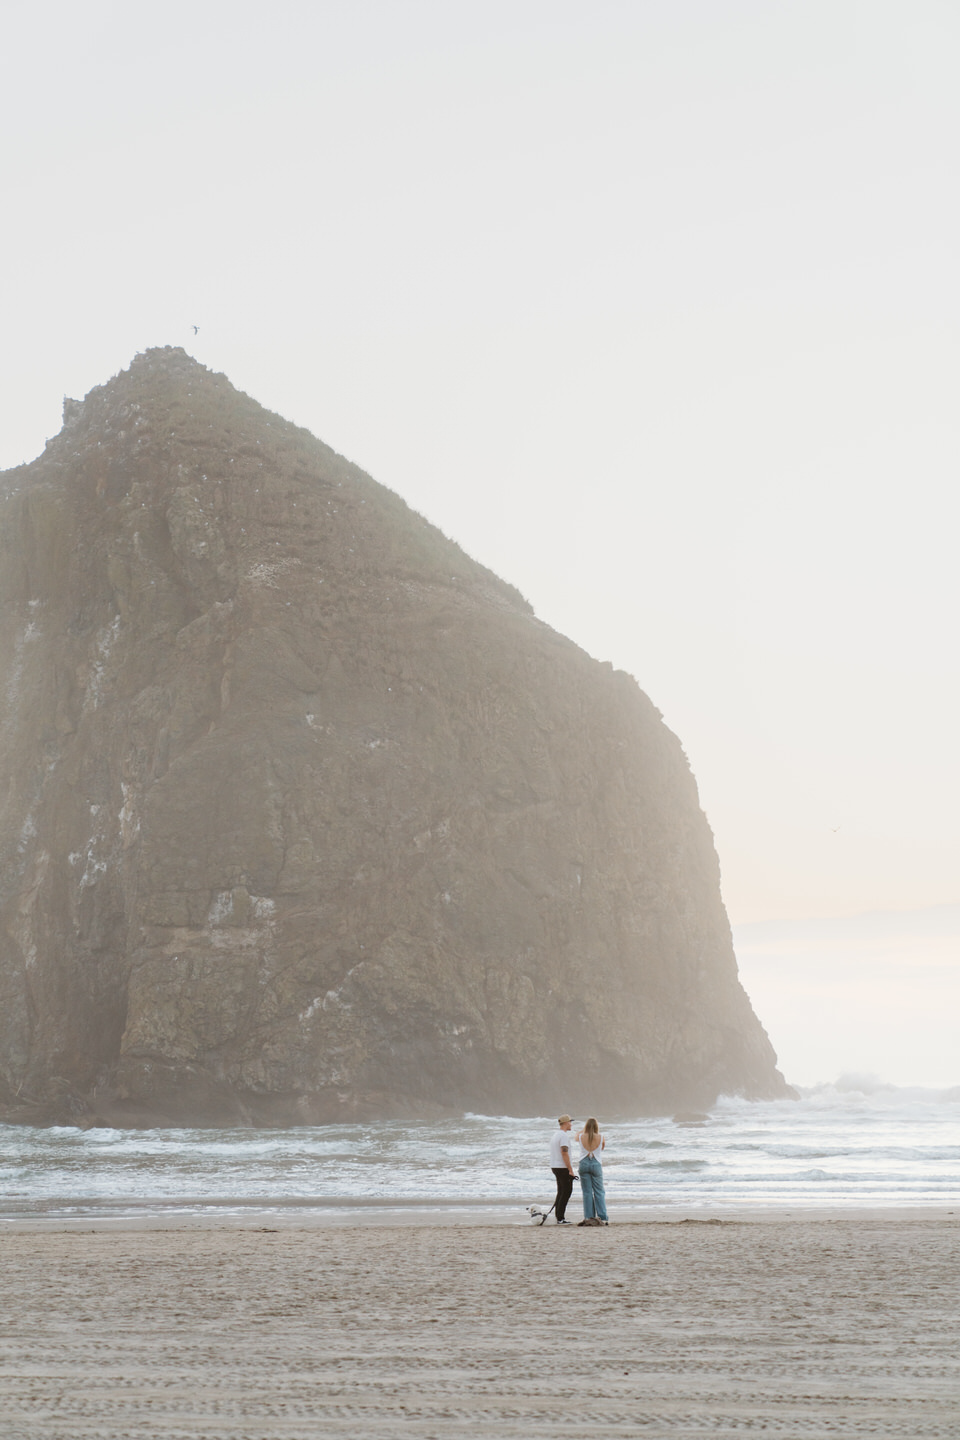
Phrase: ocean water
(849, 1144)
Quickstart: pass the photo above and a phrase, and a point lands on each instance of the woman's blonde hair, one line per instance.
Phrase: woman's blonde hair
(591, 1128)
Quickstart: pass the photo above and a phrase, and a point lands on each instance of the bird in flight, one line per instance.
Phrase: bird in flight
(196, 329)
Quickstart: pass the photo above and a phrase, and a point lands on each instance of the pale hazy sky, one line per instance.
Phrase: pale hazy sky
(652, 306)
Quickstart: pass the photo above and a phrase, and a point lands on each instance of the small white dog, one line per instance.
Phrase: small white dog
(538, 1216)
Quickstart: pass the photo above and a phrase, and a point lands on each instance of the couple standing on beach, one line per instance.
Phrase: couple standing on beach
(592, 1144)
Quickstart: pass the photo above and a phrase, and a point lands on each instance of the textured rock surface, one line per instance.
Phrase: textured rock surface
(303, 814)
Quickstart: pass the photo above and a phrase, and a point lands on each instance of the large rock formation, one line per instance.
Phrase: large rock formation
(304, 815)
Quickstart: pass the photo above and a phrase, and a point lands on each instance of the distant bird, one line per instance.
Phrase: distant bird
(196, 329)
(834, 829)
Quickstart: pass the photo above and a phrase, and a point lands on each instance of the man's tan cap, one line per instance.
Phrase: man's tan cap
(565, 1120)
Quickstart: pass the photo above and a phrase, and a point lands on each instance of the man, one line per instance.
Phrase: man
(562, 1167)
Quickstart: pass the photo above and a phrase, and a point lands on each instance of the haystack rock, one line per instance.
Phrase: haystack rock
(305, 816)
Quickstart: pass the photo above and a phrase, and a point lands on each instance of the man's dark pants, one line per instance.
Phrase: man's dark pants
(564, 1191)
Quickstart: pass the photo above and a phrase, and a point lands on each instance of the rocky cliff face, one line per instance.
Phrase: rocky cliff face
(304, 815)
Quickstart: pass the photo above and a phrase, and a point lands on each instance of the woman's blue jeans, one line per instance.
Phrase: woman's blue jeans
(591, 1184)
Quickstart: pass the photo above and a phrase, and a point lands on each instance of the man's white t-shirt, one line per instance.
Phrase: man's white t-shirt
(557, 1140)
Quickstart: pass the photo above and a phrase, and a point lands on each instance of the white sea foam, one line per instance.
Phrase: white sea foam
(845, 1144)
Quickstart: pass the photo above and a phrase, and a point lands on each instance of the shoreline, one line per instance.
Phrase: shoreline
(367, 1212)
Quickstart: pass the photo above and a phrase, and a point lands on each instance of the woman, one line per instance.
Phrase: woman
(592, 1144)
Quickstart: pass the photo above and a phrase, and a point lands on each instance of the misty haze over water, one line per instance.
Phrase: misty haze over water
(876, 993)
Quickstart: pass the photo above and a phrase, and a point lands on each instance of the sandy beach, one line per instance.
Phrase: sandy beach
(804, 1325)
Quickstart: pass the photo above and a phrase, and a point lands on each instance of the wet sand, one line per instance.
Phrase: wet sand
(832, 1324)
